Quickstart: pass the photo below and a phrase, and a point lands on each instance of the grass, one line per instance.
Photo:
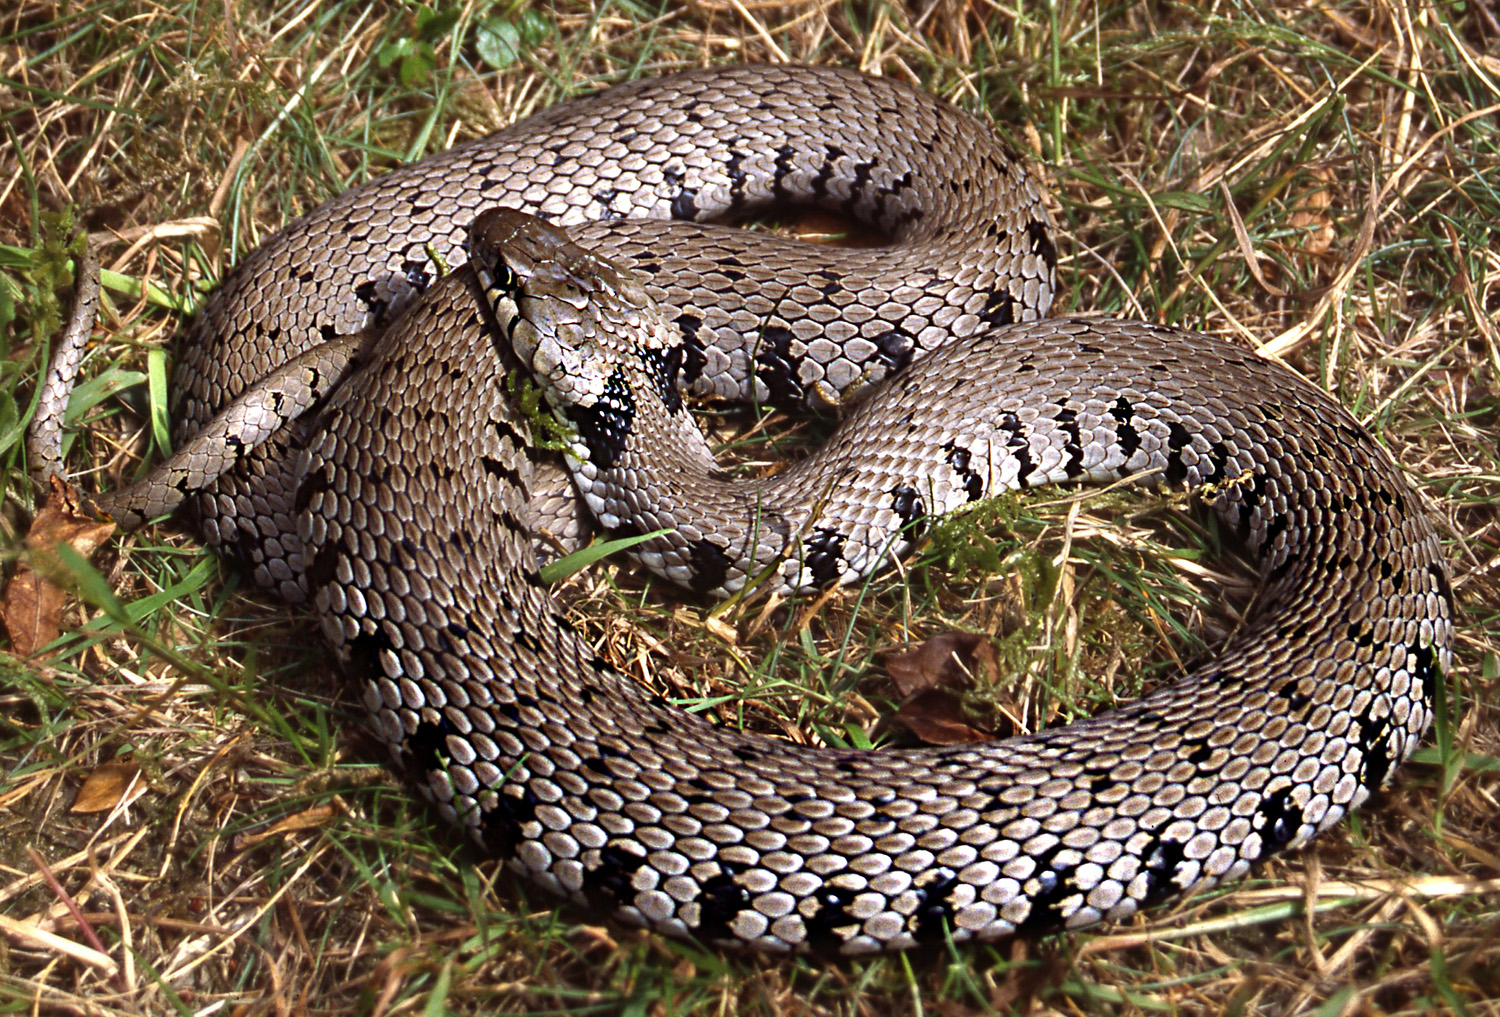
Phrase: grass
(271, 864)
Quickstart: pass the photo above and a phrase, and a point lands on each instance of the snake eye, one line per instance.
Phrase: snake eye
(504, 279)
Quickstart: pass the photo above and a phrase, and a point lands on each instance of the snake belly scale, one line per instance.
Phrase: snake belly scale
(399, 509)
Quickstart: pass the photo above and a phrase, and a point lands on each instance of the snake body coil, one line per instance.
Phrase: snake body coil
(399, 509)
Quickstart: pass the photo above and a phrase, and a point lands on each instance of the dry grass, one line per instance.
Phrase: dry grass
(1323, 179)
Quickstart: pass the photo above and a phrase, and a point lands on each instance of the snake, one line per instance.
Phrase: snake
(350, 428)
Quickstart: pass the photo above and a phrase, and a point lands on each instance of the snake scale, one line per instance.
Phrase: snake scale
(399, 507)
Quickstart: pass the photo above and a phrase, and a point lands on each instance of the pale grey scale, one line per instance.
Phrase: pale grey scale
(705, 144)
(242, 426)
(558, 524)
(597, 791)
(44, 436)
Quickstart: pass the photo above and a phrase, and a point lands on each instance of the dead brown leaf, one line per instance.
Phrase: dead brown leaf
(105, 788)
(308, 819)
(31, 609)
(952, 660)
(936, 717)
(932, 674)
(1310, 215)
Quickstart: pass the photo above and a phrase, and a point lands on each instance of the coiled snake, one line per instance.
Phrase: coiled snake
(399, 508)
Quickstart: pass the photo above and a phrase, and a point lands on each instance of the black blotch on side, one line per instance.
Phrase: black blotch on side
(322, 567)
(1162, 859)
(1439, 573)
(684, 205)
(1296, 699)
(495, 468)
(857, 186)
(1250, 498)
(1426, 669)
(362, 654)
(607, 884)
(605, 198)
(777, 368)
(1280, 818)
(1017, 445)
(1041, 242)
(315, 484)
(502, 825)
(734, 166)
(365, 292)
(908, 506)
(663, 367)
(710, 565)
(832, 154)
(693, 359)
(785, 155)
(1218, 455)
(960, 459)
(244, 546)
(596, 764)
(606, 425)
(508, 435)
(824, 927)
(1054, 885)
(426, 748)
(825, 555)
(1292, 631)
(934, 914)
(894, 348)
(999, 308)
(719, 902)
(1068, 421)
(1100, 783)
(1178, 439)
(1274, 529)
(416, 274)
(1125, 432)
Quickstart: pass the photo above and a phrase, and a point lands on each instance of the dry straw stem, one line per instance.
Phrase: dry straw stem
(1317, 179)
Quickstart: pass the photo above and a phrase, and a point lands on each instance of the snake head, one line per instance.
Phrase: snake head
(572, 317)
